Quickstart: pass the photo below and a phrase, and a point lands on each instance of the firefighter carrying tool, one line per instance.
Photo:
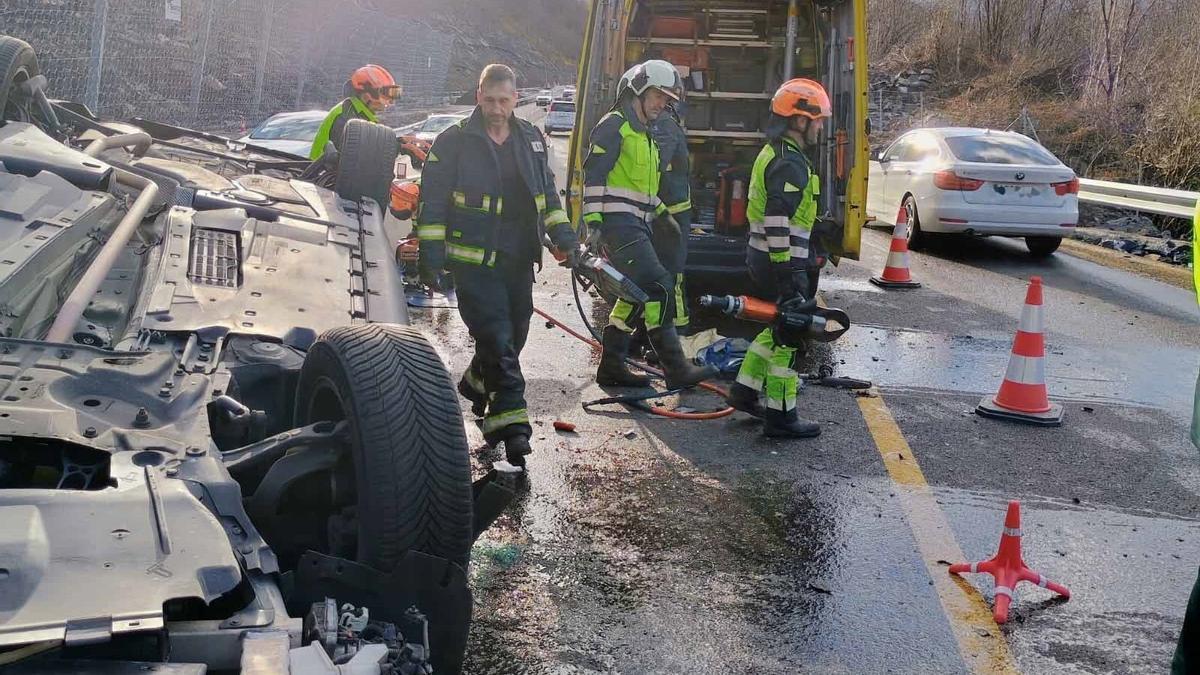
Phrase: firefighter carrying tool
(621, 196)
(782, 212)
(487, 199)
(369, 91)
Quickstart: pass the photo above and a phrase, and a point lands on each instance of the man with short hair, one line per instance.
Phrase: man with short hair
(369, 91)
(487, 196)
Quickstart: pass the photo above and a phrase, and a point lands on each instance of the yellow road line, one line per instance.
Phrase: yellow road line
(983, 647)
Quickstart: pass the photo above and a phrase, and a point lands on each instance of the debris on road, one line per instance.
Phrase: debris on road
(560, 425)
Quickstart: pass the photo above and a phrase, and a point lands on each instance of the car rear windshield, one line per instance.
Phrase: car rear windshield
(999, 150)
(287, 129)
(439, 123)
(562, 107)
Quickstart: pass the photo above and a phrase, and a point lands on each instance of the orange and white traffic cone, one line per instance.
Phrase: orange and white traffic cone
(895, 270)
(1022, 396)
(1007, 567)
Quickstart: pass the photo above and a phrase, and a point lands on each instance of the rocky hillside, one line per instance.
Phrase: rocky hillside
(539, 38)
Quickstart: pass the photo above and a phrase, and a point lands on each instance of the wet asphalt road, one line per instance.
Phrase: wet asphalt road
(647, 545)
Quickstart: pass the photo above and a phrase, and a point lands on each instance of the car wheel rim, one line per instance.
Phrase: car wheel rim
(910, 211)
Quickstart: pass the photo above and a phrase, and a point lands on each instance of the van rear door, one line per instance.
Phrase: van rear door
(595, 85)
(846, 158)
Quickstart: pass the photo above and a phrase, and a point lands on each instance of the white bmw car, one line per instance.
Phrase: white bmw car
(974, 181)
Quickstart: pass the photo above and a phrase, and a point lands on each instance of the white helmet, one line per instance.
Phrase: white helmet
(654, 73)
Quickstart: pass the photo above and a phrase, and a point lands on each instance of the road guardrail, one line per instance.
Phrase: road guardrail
(1144, 198)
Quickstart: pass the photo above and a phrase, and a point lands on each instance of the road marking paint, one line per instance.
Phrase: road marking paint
(980, 642)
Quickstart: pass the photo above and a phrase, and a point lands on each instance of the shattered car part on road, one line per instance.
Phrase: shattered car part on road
(213, 418)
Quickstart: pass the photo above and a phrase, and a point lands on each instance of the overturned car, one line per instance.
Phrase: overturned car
(220, 445)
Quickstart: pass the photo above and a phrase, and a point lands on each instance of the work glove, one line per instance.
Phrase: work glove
(798, 305)
(785, 283)
(569, 257)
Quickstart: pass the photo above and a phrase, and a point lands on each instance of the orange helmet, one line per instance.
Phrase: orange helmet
(801, 97)
(374, 85)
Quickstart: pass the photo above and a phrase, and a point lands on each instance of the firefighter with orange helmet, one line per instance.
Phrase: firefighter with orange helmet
(782, 211)
(369, 91)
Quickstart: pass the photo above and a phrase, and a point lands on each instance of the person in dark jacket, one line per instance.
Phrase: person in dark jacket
(675, 191)
(487, 197)
(369, 91)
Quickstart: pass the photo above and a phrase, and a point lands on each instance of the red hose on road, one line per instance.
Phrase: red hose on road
(663, 412)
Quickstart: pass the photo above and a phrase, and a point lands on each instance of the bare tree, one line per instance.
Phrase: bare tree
(1118, 24)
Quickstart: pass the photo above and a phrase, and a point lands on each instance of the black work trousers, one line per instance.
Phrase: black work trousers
(632, 253)
(496, 303)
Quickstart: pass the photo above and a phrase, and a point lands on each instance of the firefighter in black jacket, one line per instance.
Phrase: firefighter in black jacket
(487, 195)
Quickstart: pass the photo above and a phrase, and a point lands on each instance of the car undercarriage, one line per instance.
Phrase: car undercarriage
(221, 447)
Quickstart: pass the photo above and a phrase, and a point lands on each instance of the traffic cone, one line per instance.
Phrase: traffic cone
(1022, 396)
(1007, 567)
(895, 270)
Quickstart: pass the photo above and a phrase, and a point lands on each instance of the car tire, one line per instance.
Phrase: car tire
(411, 464)
(367, 162)
(18, 62)
(1042, 247)
(916, 236)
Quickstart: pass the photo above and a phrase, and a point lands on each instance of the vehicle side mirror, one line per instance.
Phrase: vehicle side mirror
(877, 154)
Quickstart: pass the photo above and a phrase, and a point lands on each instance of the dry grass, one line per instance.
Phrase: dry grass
(1113, 86)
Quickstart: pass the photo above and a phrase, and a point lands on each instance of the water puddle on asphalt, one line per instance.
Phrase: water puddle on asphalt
(965, 363)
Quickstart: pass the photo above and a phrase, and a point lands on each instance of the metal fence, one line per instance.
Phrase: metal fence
(221, 65)
(891, 110)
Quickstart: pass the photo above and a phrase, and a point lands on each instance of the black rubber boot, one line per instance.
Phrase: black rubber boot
(745, 399)
(478, 401)
(788, 424)
(612, 371)
(679, 370)
(515, 449)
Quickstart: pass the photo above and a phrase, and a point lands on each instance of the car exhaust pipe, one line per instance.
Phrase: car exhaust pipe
(72, 310)
(140, 141)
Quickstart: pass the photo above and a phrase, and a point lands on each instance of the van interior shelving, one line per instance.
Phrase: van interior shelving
(732, 55)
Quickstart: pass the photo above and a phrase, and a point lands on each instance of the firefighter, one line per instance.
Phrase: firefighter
(487, 196)
(782, 210)
(369, 91)
(621, 197)
(675, 191)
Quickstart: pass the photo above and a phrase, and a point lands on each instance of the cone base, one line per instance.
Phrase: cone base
(884, 283)
(1051, 418)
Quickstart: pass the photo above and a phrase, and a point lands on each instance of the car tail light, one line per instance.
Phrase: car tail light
(1070, 187)
(948, 180)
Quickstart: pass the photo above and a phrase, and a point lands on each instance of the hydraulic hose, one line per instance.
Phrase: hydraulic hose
(662, 412)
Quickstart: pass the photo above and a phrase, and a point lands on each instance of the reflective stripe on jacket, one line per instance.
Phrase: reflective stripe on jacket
(621, 173)
(461, 187)
(783, 203)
